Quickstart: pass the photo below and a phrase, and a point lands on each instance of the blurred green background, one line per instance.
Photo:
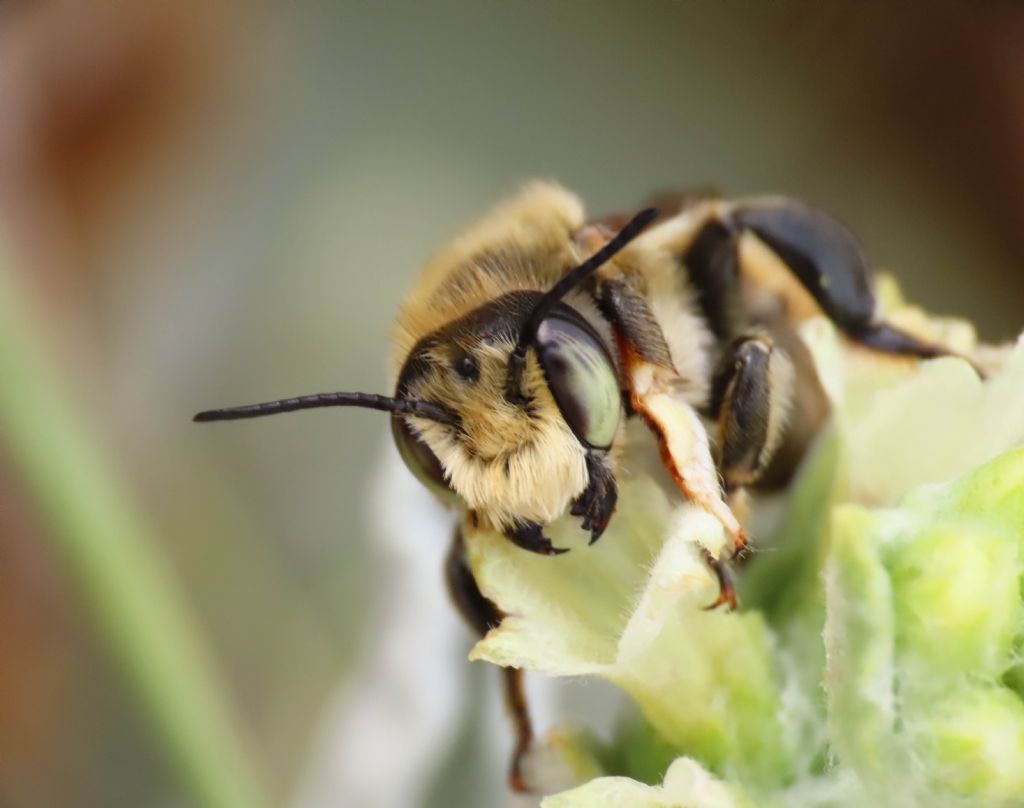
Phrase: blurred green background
(207, 204)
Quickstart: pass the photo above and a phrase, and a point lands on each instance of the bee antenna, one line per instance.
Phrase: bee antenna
(402, 406)
(565, 284)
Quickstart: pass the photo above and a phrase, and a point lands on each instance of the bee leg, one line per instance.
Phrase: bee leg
(482, 615)
(530, 536)
(686, 454)
(685, 450)
(597, 502)
(750, 398)
(815, 249)
(713, 268)
(635, 325)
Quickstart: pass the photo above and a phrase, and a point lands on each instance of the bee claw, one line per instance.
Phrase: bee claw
(516, 782)
(530, 537)
(596, 530)
(726, 588)
(597, 502)
(727, 599)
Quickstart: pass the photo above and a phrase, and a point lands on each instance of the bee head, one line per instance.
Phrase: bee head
(510, 460)
(527, 419)
(481, 418)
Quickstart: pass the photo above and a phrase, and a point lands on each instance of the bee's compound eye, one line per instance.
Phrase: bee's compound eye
(422, 462)
(580, 373)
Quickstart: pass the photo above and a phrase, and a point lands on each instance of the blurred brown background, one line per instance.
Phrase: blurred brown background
(213, 203)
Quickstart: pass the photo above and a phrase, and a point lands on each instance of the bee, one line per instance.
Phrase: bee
(526, 343)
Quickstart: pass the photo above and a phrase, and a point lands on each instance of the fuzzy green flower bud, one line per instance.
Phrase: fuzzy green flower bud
(924, 615)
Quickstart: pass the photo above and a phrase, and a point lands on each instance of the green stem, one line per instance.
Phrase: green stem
(115, 559)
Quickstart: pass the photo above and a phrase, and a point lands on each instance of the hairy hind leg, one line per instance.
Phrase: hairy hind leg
(750, 400)
(817, 251)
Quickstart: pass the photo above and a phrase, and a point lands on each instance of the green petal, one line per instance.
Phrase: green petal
(860, 646)
(619, 791)
(972, 743)
(993, 491)
(567, 613)
(924, 622)
(944, 629)
(687, 784)
(630, 609)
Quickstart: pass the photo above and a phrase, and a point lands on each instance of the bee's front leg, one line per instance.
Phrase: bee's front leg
(482, 615)
(651, 376)
(597, 502)
(685, 449)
